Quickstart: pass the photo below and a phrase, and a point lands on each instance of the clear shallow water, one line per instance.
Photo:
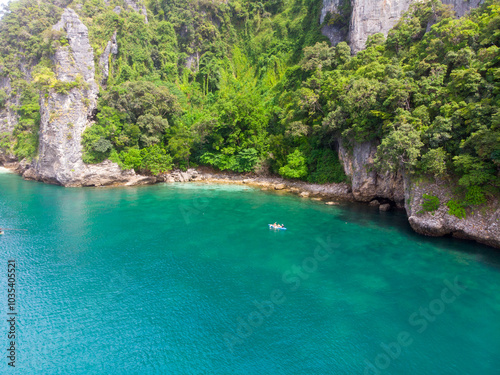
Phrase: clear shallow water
(163, 279)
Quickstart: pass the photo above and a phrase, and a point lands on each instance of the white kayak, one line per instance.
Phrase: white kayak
(272, 226)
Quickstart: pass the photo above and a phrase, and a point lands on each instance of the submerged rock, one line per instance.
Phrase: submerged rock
(384, 207)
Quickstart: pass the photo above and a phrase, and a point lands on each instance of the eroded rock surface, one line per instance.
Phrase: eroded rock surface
(367, 183)
(481, 223)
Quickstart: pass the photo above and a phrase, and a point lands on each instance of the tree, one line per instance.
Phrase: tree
(296, 165)
(400, 149)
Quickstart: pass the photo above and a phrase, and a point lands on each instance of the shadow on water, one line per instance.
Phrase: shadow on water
(363, 215)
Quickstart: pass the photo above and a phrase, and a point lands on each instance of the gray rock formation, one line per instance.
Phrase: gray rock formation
(367, 183)
(481, 224)
(193, 61)
(65, 116)
(139, 8)
(370, 17)
(461, 7)
(110, 49)
(8, 117)
(335, 33)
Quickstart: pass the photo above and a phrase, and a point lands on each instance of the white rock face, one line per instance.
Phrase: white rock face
(328, 6)
(461, 7)
(370, 17)
(139, 8)
(65, 116)
(334, 33)
(8, 117)
(110, 49)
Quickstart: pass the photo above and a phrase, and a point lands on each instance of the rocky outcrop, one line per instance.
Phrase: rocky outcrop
(367, 183)
(193, 61)
(110, 49)
(461, 7)
(335, 31)
(139, 8)
(369, 17)
(481, 224)
(8, 117)
(65, 116)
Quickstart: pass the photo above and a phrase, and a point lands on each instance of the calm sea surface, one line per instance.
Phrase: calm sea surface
(188, 279)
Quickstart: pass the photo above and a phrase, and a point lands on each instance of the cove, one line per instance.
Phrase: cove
(188, 279)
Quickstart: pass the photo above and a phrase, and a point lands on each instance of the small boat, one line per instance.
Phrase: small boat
(272, 226)
(1, 232)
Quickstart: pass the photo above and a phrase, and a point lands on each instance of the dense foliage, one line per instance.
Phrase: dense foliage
(253, 86)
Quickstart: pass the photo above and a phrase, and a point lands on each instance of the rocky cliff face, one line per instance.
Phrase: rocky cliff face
(138, 7)
(8, 118)
(110, 49)
(64, 117)
(481, 224)
(335, 32)
(367, 184)
(369, 17)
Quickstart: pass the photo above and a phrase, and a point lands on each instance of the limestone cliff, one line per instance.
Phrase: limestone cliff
(367, 183)
(110, 49)
(64, 117)
(8, 117)
(334, 20)
(369, 17)
(138, 7)
(481, 224)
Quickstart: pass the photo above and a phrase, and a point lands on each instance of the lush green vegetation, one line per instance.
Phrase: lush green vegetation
(430, 204)
(253, 86)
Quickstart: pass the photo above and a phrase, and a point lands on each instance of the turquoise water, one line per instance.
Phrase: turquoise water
(174, 279)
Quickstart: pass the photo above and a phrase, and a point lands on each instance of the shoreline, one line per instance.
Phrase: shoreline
(478, 227)
(331, 194)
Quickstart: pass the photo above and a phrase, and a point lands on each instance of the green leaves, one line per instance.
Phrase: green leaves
(430, 204)
(296, 165)
(456, 209)
(152, 160)
(399, 149)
